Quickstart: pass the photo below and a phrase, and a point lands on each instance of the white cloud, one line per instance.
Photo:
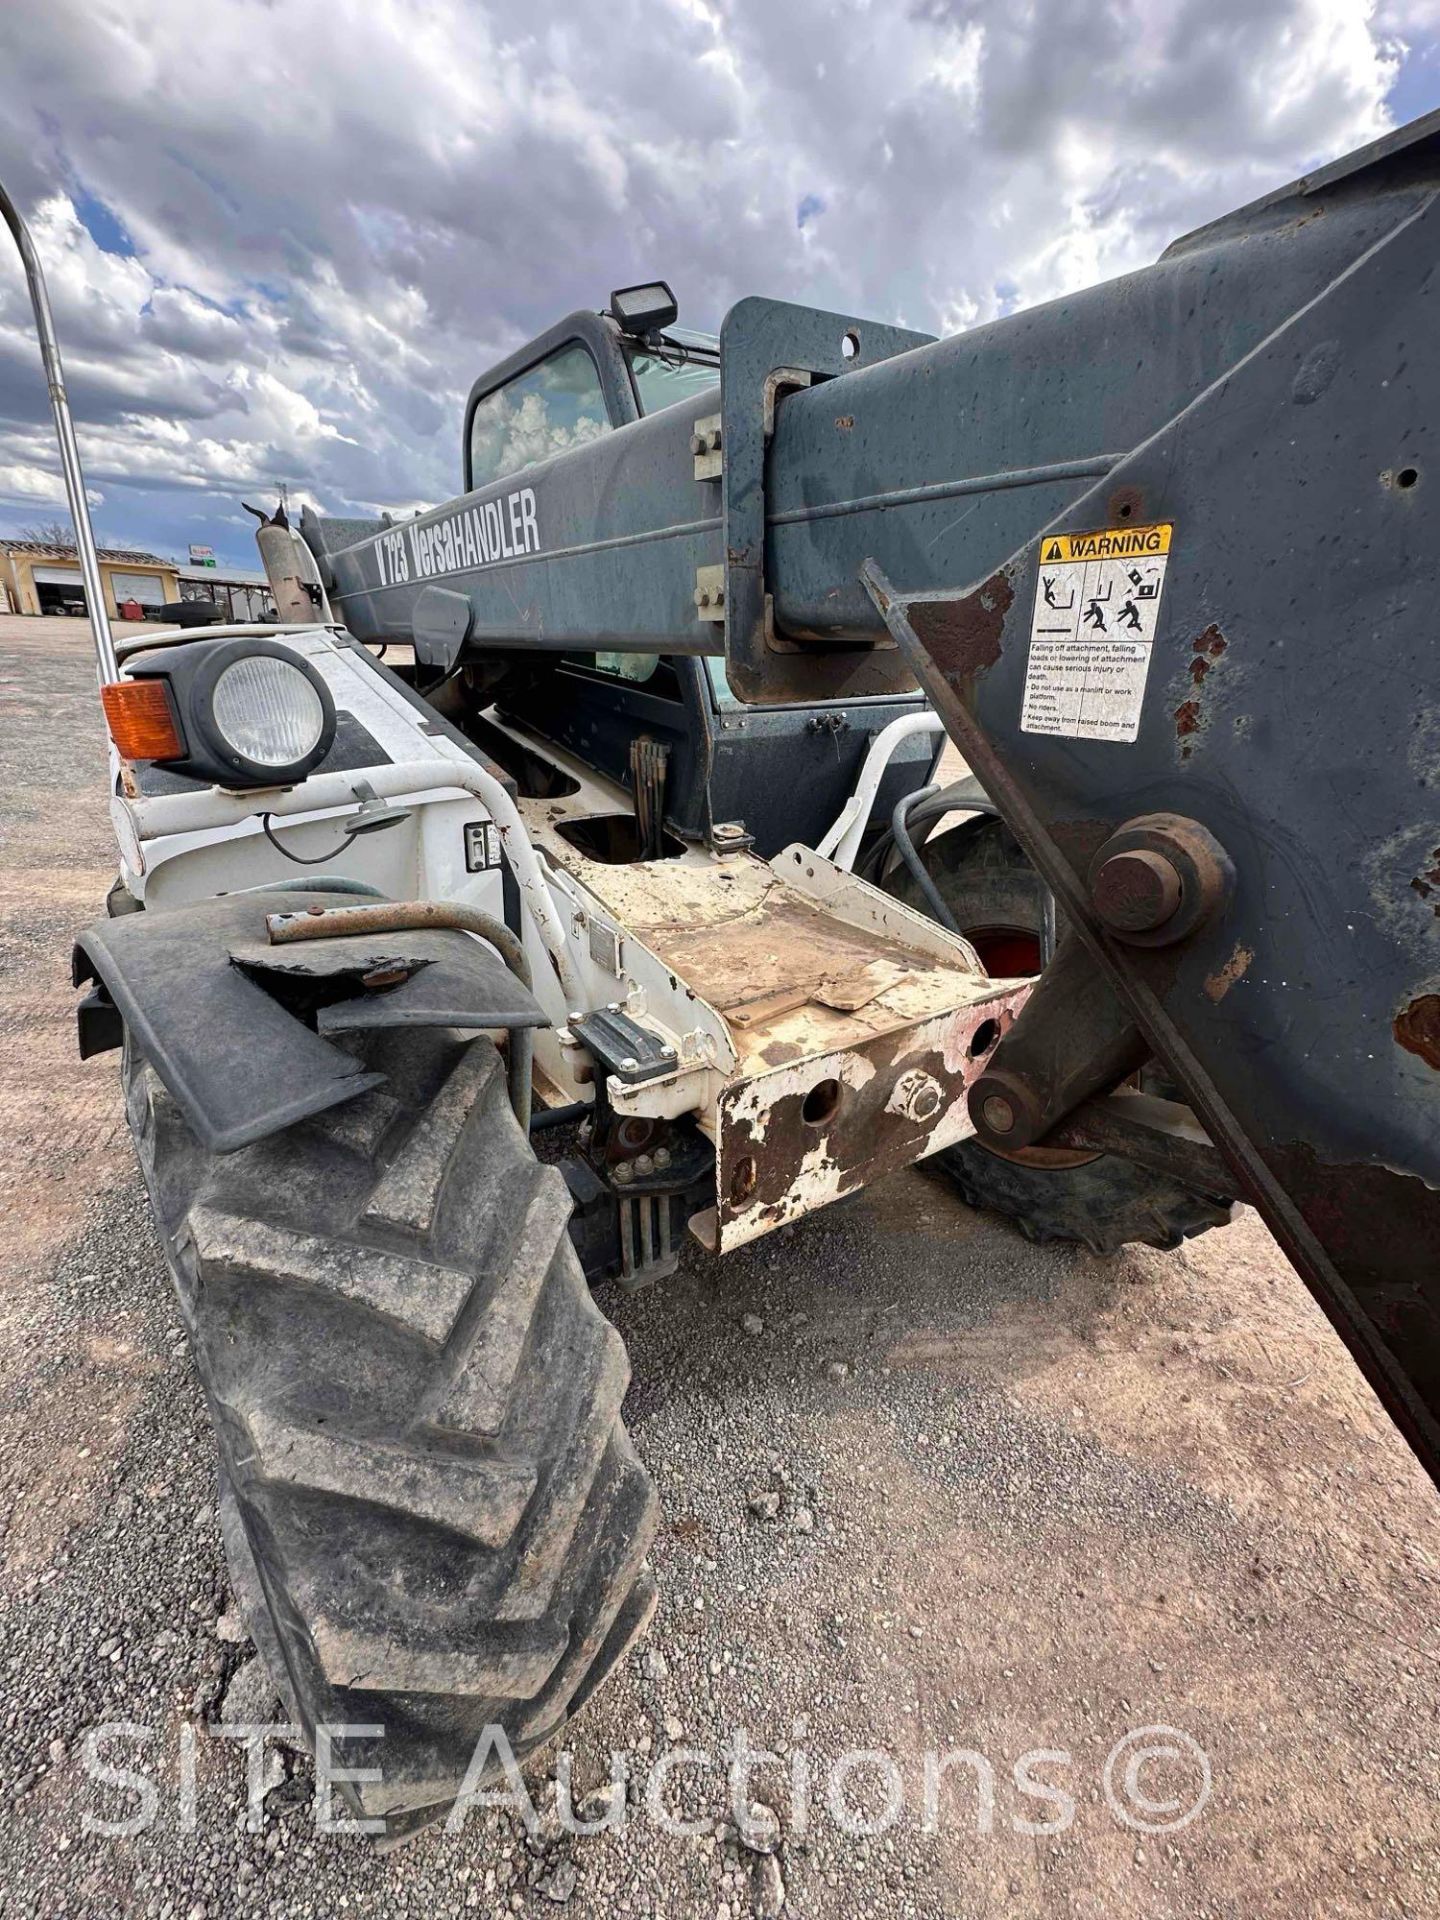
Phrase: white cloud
(346, 210)
(19, 482)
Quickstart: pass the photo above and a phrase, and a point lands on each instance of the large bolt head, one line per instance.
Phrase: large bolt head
(1157, 878)
(1136, 891)
(1005, 1110)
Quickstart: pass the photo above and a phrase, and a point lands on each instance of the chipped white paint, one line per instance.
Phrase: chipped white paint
(748, 1111)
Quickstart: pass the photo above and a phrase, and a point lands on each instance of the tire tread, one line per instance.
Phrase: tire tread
(427, 1490)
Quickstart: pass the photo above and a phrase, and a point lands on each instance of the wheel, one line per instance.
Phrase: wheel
(1101, 1200)
(993, 891)
(434, 1517)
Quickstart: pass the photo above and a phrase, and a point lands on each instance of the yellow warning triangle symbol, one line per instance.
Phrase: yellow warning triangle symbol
(1054, 553)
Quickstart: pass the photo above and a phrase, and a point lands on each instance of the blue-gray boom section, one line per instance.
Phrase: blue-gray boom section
(1242, 712)
(593, 549)
(938, 462)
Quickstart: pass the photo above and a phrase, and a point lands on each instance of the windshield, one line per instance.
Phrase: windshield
(684, 365)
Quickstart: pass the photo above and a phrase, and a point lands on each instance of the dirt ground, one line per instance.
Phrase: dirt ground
(1014, 1500)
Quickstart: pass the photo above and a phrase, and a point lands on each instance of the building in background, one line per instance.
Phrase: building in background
(241, 596)
(43, 579)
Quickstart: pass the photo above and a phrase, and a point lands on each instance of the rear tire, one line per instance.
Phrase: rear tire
(434, 1517)
(1105, 1202)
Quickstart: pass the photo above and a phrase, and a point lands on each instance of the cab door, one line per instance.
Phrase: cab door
(567, 387)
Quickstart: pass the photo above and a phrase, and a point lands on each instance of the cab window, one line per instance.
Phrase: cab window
(661, 383)
(685, 365)
(547, 409)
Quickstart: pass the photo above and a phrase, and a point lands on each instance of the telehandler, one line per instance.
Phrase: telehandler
(640, 830)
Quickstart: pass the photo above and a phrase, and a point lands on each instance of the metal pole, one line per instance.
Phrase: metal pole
(69, 452)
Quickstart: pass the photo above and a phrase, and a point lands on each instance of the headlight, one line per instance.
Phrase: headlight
(268, 710)
(250, 713)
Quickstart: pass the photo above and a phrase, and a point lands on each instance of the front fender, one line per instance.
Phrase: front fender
(229, 1022)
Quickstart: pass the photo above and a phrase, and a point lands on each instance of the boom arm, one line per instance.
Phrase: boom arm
(1263, 401)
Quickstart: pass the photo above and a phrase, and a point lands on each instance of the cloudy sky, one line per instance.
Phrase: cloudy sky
(282, 239)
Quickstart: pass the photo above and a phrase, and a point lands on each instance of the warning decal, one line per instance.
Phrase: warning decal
(1097, 599)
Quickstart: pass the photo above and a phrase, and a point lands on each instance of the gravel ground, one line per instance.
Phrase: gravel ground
(926, 1487)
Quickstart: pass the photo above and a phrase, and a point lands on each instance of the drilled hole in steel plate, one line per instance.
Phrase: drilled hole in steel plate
(821, 1103)
(742, 1181)
(850, 345)
(983, 1038)
(1407, 476)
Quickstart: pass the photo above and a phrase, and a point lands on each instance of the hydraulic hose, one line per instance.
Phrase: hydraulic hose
(565, 1116)
(962, 796)
(901, 833)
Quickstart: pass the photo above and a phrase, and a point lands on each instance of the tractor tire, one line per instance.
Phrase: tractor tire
(435, 1521)
(1102, 1201)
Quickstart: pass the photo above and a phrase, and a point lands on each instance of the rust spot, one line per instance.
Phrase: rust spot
(845, 421)
(1425, 883)
(780, 1052)
(1219, 983)
(1417, 1028)
(863, 1139)
(742, 1180)
(963, 636)
(385, 976)
(1208, 647)
(1126, 503)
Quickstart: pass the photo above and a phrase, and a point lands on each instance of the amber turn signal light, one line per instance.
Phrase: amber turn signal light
(141, 720)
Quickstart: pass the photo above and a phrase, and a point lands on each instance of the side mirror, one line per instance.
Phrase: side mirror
(641, 311)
